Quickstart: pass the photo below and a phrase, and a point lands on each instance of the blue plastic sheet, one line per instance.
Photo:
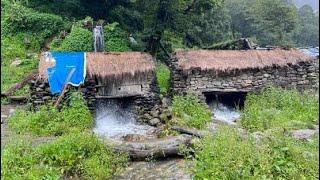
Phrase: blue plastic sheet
(64, 63)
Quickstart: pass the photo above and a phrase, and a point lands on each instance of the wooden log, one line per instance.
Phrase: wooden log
(65, 87)
(20, 84)
(157, 148)
(18, 98)
(190, 131)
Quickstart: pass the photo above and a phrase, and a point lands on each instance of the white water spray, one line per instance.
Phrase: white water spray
(98, 39)
(115, 119)
(225, 113)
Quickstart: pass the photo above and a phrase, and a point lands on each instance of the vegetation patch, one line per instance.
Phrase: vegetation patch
(49, 121)
(229, 155)
(163, 77)
(275, 107)
(190, 111)
(116, 39)
(78, 154)
(79, 39)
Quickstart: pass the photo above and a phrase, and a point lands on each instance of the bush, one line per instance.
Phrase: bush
(83, 154)
(49, 121)
(116, 39)
(276, 107)
(163, 77)
(17, 18)
(190, 111)
(79, 153)
(19, 161)
(79, 39)
(228, 155)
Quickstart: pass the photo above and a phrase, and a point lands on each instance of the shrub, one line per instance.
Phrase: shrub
(18, 18)
(276, 107)
(190, 111)
(79, 39)
(83, 154)
(163, 77)
(49, 121)
(77, 153)
(19, 161)
(115, 38)
(228, 155)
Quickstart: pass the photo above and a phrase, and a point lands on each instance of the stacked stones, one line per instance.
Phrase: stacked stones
(89, 90)
(304, 75)
(40, 93)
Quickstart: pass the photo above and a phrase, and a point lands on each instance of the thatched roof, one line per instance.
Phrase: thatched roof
(102, 64)
(113, 64)
(224, 60)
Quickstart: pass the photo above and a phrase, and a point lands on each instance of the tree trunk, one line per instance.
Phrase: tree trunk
(157, 148)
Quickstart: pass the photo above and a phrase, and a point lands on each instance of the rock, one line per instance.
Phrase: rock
(154, 113)
(134, 137)
(154, 121)
(16, 62)
(303, 133)
(45, 98)
(147, 116)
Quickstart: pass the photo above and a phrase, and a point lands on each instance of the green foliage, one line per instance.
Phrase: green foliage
(190, 111)
(163, 77)
(17, 18)
(13, 49)
(77, 153)
(19, 161)
(49, 121)
(229, 155)
(79, 39)
(83, 154)
(276, 107)
(116, 39)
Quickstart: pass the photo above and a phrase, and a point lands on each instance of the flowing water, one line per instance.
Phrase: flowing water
(98, 39)
(225, 113)
(116, 118)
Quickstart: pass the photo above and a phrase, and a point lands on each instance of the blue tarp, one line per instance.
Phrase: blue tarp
(64, 63)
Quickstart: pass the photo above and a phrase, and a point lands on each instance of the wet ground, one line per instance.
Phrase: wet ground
(169, 169)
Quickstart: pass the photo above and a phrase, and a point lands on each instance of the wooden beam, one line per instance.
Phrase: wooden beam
(65, 87)
(118, 96)
(20, 84)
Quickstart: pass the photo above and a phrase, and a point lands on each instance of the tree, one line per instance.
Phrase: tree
(307, 32)
(274, 20)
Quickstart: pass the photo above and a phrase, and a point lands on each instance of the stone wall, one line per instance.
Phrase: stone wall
(146, 104)
(304, 75)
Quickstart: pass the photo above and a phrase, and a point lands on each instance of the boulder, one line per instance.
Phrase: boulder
(134, 137)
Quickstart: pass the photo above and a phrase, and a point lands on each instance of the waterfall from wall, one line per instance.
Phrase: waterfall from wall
(98, 39)
(115, 118)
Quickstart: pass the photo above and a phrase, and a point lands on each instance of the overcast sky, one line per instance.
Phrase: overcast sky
(313, 3)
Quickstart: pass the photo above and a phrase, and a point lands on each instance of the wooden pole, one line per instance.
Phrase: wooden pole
(65, 87)
(19, 84)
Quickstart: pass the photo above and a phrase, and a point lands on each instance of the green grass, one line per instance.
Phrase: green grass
(228, 155)
(189, 111)
(49, 121)
(275, 107)
(78, 153)
(163, 77)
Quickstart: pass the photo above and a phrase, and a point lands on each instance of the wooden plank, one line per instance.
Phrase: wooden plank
(65, 87)
(117, 96)
(20, 84)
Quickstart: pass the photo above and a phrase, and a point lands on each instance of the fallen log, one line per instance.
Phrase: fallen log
(19, 84)
(156, 148)
(190, 131)
(18, 98)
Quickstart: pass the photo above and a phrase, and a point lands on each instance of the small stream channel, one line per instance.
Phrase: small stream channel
(226, 107)
(115, 118)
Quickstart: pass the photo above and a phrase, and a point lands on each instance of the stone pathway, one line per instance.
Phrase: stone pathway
(169, 169)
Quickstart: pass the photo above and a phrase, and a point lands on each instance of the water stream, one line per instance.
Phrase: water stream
(225, 113)
(98, 39)
(116, 118)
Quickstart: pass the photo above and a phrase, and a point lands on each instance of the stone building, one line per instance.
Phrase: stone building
(129, 75)
(227, 71)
